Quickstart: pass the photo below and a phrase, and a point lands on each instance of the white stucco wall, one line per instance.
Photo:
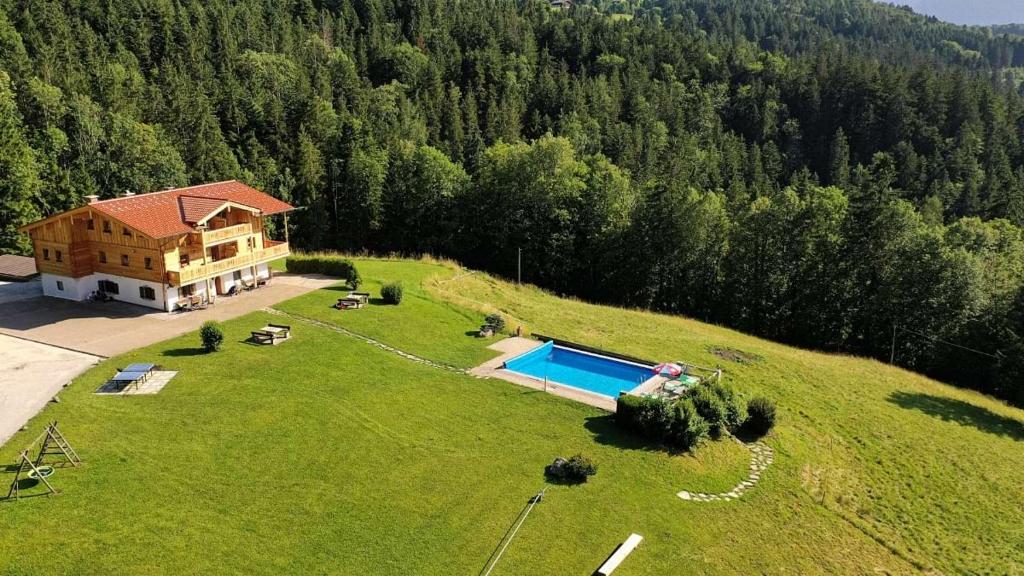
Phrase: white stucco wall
(74, 288)
(128, 290)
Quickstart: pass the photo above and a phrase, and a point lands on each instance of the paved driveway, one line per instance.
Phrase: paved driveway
(30, 375)
(111, 328)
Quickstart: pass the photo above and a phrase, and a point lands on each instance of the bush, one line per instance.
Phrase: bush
(720, 406)
(324, 263)
(711, 409)
(354, 279)
(392, 293)
(688, 428)
(676, 425)
(579, 467)
(495, 320)
(760, 416)
(211, 335)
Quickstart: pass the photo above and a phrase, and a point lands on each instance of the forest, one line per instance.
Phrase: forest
(836, 174)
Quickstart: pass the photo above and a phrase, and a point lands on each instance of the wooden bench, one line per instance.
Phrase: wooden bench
(620, 554)
(261, 337)
(348, 303)
(280, 331)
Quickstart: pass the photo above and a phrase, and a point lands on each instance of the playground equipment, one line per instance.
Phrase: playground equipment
(53, 444)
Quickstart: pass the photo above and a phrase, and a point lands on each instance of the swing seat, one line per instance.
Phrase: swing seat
(41, 472)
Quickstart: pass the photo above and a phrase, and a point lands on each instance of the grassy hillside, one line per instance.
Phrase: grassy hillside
(328, 455)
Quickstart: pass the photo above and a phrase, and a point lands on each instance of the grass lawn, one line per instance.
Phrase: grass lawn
(326, 455)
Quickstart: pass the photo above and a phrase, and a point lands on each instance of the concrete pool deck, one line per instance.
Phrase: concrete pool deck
(516, 346)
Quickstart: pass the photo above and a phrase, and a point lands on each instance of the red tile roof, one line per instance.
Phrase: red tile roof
(173, 212)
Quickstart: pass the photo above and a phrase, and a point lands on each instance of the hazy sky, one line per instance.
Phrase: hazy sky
(970, 11)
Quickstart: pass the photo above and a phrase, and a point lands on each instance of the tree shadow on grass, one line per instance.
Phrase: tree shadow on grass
(961, 412)
(607, 432)
(179, 352)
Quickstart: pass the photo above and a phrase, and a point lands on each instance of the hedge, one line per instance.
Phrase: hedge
(677, 425)
(324, 263)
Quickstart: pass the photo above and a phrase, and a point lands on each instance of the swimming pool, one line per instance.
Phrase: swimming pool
(598, 374)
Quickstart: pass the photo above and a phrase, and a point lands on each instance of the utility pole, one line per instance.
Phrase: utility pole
(892, 354)
(519, 266)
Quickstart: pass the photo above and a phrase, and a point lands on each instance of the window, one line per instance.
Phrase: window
(149, 263)
(237, 276)
(147, 293)
(109, 287)
(46, 253)
(124, 259)
(60, 285)
(103, 257)
(106, 226)
(183, 260)
(90, 225)
(186, 291)
(60, 256)
(126, 232)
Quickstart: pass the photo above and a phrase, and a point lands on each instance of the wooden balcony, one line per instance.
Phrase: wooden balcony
(211, 237)
(198, 271)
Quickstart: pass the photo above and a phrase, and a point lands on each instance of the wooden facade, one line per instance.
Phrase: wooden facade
(83, 241)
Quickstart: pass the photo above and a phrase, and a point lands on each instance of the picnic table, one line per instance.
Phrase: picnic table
(271, 334)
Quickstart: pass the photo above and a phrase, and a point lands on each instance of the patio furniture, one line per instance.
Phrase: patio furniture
(248, 285)
(271, 334)
(349, 303)
(261, 337)
(362, 297)
(280, 331)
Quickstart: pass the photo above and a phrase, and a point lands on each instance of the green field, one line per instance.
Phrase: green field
(327, 455)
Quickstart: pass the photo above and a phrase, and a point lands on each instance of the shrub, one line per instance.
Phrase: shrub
(325, 263)
(392, 293)
(496, 320)
(720, 406)
(579, 467)
(211, 335)
(711, 408)
(760, 415)
(677, 425)
(688, 428)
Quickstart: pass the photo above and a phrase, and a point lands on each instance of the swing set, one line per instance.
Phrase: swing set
(53, 444)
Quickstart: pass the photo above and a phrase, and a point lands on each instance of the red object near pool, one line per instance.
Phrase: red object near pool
(668, 369)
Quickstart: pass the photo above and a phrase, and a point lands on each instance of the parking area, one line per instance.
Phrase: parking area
(30, 375)
(111, 328)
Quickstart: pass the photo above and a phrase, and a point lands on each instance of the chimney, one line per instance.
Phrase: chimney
(92, 198)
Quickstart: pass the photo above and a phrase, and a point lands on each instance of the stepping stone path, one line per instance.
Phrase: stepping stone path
(368, 340)
(762, 457)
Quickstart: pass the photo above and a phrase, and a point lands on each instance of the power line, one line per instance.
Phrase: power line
(998, 355)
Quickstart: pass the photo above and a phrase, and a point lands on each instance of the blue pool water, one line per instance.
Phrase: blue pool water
(598, 374)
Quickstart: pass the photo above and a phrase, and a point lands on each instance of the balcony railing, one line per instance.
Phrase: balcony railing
(198, 271)
(222, 234)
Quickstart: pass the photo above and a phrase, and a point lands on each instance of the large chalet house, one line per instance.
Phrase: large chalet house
(163, 250)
